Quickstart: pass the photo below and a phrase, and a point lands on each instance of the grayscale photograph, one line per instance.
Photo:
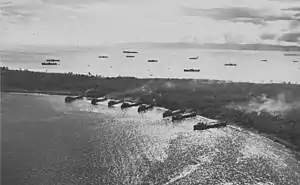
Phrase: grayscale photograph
(150, 92)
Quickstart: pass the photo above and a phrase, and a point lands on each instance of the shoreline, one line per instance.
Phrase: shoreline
(210, 98)
(288, 145)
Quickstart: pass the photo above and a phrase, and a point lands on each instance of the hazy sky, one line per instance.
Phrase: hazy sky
(96, 22)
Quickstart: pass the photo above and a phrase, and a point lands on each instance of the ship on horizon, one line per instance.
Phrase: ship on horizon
(126, 51)
(230, 64)
(51, 62)
(191, 70)
(194, 58)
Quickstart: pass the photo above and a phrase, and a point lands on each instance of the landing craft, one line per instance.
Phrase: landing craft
(204, 126)
(69, 99)
(183, 116)
(94, 101)
(129, 104)
(170, 113)
(114, 102)
(144, 108)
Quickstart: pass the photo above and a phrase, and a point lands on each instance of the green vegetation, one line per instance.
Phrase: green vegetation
(209, 97)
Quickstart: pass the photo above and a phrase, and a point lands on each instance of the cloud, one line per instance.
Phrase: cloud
(240, 14)
(291, 9)
(290, 37)
(268, 36)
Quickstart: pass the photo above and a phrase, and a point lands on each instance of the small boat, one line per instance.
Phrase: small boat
(185, 115)
(130, 56)
(94, 101)
(191, 70)
(204, 126)
(129, 104)
(114, 102)
(170, 113)
(295, 61)
(102, 56)
(144, 108)
(230, 64)
(69, 99)
(194, 58)
(264, 60)
(152, 61)
(126, 51)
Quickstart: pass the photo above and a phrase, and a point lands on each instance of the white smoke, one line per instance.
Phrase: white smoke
(276, 106)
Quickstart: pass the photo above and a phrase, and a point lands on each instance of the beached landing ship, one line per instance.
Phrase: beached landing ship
(129, 104)
(191, 70)
(170, 113)
(94, 101)
(184, 116)
(204, 126)
(114, 102)
(144, 108)
(69, 99)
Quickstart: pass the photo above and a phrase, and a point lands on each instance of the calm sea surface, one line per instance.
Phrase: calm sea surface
(171, 63)
(45, 141)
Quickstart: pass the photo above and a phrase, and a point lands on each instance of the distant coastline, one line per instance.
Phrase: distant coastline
(209, 98)
(227, 46)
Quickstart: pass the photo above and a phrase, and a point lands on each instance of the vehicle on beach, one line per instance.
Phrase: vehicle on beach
(94, 101)
(170, 113)
(144, 108)
(230, 64)
(103, 56)
(69, 99)
(184, 116)
(130, 104)
(152, 61)
(204, 126)
(114, 102)
(191, 70)
(194, 58)
(126, 51)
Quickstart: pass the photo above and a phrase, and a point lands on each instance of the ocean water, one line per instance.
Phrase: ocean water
(45, 141)
(171, 62)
